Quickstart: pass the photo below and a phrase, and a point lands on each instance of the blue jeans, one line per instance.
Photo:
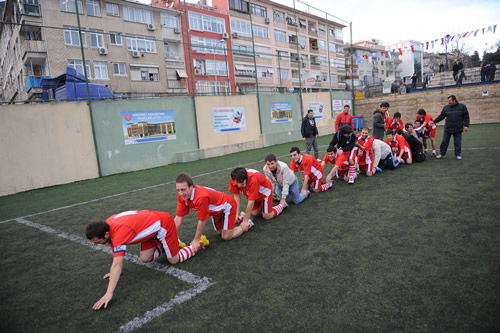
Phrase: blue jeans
(457, 141)
(293, 191)
(389, 162)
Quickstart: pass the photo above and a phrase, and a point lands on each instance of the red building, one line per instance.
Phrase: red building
(209, 61)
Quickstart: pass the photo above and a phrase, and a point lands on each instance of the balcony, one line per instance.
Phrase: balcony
(34, 82)
(34, 49)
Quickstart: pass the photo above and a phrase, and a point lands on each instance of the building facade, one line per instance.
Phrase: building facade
(133, 48)
(411, 55)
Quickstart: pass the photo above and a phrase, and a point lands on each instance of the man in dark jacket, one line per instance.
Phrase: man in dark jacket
(457, 121)
(378, 125)
(310, 133)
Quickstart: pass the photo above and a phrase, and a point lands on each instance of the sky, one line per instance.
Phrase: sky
(391, 21)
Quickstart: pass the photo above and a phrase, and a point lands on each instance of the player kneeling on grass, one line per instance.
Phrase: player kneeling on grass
(259, 192)
(339, 169)
(365, 154)
(208, 203)
(284, 180)
(311, 170)
(155, 231)
(400, 147)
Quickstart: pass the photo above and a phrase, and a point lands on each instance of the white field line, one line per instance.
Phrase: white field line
(200, 283)
(171, 182)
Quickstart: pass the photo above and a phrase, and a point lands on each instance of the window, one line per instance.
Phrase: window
(169, 21)
(338, 34)
(211, 67)
(332, 47)
(136, 43)
(206, 23)
(239, 5)
(144, 73)
(265, 72)
(334, 78)
(78, 66)
(101, 70)
(284, 73)
(258, 10)
(323, 61)
(30, 7)
(282, 55)
(259, 31)
(96, 38)
(292, 39)
(331, 32)
(112, 9)
(137, 15)
(324, 76)
(119, 69)
(69, 6)
(279, 16)
(322, 45)
(71, 36)
(242, 28)
(244, 71)
(166, 49)
(211, 87)
(294, 57)
(93, 8)
(314, 60)
(115, 38)
(263, 51)
(321, 29)
(280, 35)
(242, 49)
(303, 41)
(207, 45)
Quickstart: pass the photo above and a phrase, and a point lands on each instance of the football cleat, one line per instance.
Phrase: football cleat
(250, 224)
(276, 197)
(204, 241)
(181, 245)
(351, 179)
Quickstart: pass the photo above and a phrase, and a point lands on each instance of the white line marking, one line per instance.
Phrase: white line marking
(168, 183)
(201, 283)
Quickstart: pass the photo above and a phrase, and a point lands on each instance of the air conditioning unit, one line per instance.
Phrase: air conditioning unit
(198, 71)
(234, 34)
(136, 54)
(151, 27)
(103, 51)
(268, 20)
(177, 30)
(225, 35)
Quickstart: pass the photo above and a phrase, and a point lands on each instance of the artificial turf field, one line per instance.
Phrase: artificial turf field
(413, 249)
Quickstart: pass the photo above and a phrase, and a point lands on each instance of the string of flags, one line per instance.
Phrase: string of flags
(432, 44)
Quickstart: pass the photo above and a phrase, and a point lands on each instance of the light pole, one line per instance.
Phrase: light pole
(215, 65)
(446, 51)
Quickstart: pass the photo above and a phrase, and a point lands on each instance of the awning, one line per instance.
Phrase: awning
(244, 68)
(181, 73)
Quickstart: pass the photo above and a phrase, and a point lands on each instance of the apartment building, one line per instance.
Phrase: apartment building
(282, 47)
(372, 64)
(135, 49)
(411, 57)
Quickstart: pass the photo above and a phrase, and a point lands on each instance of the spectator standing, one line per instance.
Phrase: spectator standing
(378, 124)
(483, 72)
(343, 119)
(414, 79)
(457, 121)
(455, 70)
(490, 72)
(461, 76)
(310, 133)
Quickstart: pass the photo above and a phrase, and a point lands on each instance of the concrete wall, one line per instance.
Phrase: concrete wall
(482, 109)
(115, 156)
(44, 145)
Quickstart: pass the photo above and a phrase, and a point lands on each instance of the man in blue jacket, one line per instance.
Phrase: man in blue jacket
(457, 121)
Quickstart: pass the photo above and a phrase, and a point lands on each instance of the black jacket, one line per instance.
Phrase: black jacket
(347, 144)
(378, 125)
(457, 116)
(307, 130)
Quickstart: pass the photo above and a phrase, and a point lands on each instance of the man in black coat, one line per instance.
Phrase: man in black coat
(310, 133)
(457, 121)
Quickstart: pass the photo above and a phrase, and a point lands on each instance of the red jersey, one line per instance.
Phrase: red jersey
(308, 165)
(427, 119)
(136, 226)
(342, 120)
(367, 144)
(386, 117)
(394, 125)
(257, 187)
(327, 159)
(206, 202)
(398, 143)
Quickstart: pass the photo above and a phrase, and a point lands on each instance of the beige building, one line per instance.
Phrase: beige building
(293, 49)
(133, 48)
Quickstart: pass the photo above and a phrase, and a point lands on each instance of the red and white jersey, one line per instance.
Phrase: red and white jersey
(386, 117)
(394, 125)
(308, 165)
(326, 159)
(206, 202)
(257, 187)
(366, 156)
(398, 143)
(134, 227)
(427, 119)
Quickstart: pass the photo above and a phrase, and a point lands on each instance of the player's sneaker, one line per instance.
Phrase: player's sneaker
(250, 224)
(351, 179)
(205, 241)
(434, 153)
(440, 156)
(459, 157)
(276, 197)
(181, 245)
(379, 170)
(241, 216)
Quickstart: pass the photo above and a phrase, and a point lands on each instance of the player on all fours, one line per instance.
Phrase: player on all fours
(365, 155)
(311, 170)
(400, 148)
(155, 231)
(219, 207)
(339, 169)
(259, 192)
(428, 129)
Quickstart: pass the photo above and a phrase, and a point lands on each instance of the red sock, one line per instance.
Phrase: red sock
(325, 187)
(277, 209)
(185, 253)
